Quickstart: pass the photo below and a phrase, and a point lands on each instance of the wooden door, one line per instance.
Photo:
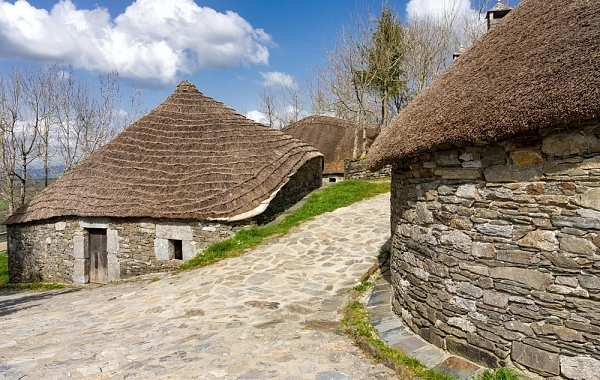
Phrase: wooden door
(98, 256)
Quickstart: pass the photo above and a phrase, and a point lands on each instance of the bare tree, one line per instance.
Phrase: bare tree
(347, 81)
(269, 105)
(43, 111)
(430, 41)
(87, 118)
(292, 104)
(281, 104)
(10, 99)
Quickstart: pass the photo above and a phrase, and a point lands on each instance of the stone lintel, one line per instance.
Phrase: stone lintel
(174, 231)
(93, 223)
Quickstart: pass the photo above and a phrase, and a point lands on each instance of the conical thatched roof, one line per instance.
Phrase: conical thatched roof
(331, 136)
(537, 68)
(190, 158)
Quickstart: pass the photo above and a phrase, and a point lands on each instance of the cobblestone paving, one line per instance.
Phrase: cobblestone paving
(271, 313)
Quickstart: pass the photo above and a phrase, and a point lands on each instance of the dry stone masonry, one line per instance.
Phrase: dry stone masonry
(496, 250)
(56, 250)
(300, 184)
(359, 169)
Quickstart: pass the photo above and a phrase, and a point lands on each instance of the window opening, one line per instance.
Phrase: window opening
(176, 249)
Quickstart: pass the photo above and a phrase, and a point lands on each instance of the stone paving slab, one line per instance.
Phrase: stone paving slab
(272, 313)
(394, 332)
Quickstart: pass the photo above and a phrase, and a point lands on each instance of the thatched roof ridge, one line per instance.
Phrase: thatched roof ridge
(189, 158)
(331, 136)
(537, 68)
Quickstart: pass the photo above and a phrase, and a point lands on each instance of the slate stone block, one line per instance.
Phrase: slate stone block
(471, 352)
(537, 360)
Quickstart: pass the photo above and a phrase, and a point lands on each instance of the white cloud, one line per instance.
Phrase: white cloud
(437, 7)
(276, 78)
(257, 116)
(152, 42)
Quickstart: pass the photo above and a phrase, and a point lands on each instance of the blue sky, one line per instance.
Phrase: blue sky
(229, 49)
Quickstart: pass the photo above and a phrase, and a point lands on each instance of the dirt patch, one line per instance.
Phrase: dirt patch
(322, 325)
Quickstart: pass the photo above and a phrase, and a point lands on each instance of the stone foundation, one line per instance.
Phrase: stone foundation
(358, 169)
(56, 251)
(495, 250)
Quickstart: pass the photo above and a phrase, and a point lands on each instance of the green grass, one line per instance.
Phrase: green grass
(358, 325)
(383, 253)
(333, 197)
(500, 374)
(32, 286)
(363, 286)
(3, 268)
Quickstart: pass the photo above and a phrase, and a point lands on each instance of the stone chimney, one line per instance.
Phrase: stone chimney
(495, 14)
(458, 53)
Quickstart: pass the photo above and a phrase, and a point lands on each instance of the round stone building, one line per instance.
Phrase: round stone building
(189, 173)
(496, 196)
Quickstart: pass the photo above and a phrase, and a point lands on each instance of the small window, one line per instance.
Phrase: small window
(332, 179)
(176, 249)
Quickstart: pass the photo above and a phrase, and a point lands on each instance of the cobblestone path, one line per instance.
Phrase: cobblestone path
(271, 313)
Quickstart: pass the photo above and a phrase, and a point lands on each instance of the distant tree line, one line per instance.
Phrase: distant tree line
(379, 64)
(48, 120)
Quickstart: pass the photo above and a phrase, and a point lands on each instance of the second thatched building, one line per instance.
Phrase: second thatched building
(338, 140)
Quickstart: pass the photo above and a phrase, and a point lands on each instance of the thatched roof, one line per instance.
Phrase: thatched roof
(538, 67)
(331, 136)
(190, 158)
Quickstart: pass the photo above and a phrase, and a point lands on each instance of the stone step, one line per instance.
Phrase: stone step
(395, 333)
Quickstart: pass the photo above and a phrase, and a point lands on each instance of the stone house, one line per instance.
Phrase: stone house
(189, 173)
(334, 138)
(496, 196)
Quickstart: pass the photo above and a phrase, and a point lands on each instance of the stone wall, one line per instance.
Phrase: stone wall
(495, 250)
(305, 180)
(42, 252)
(358, 169)
(56, 250)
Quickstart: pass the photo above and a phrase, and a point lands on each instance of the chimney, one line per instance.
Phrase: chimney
(458, 53)
(495, 14)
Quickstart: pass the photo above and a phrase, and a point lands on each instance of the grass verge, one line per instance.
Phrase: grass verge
(333, 197)
(500, 374)
(32, 286)
(3, 268)
(357, 324)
